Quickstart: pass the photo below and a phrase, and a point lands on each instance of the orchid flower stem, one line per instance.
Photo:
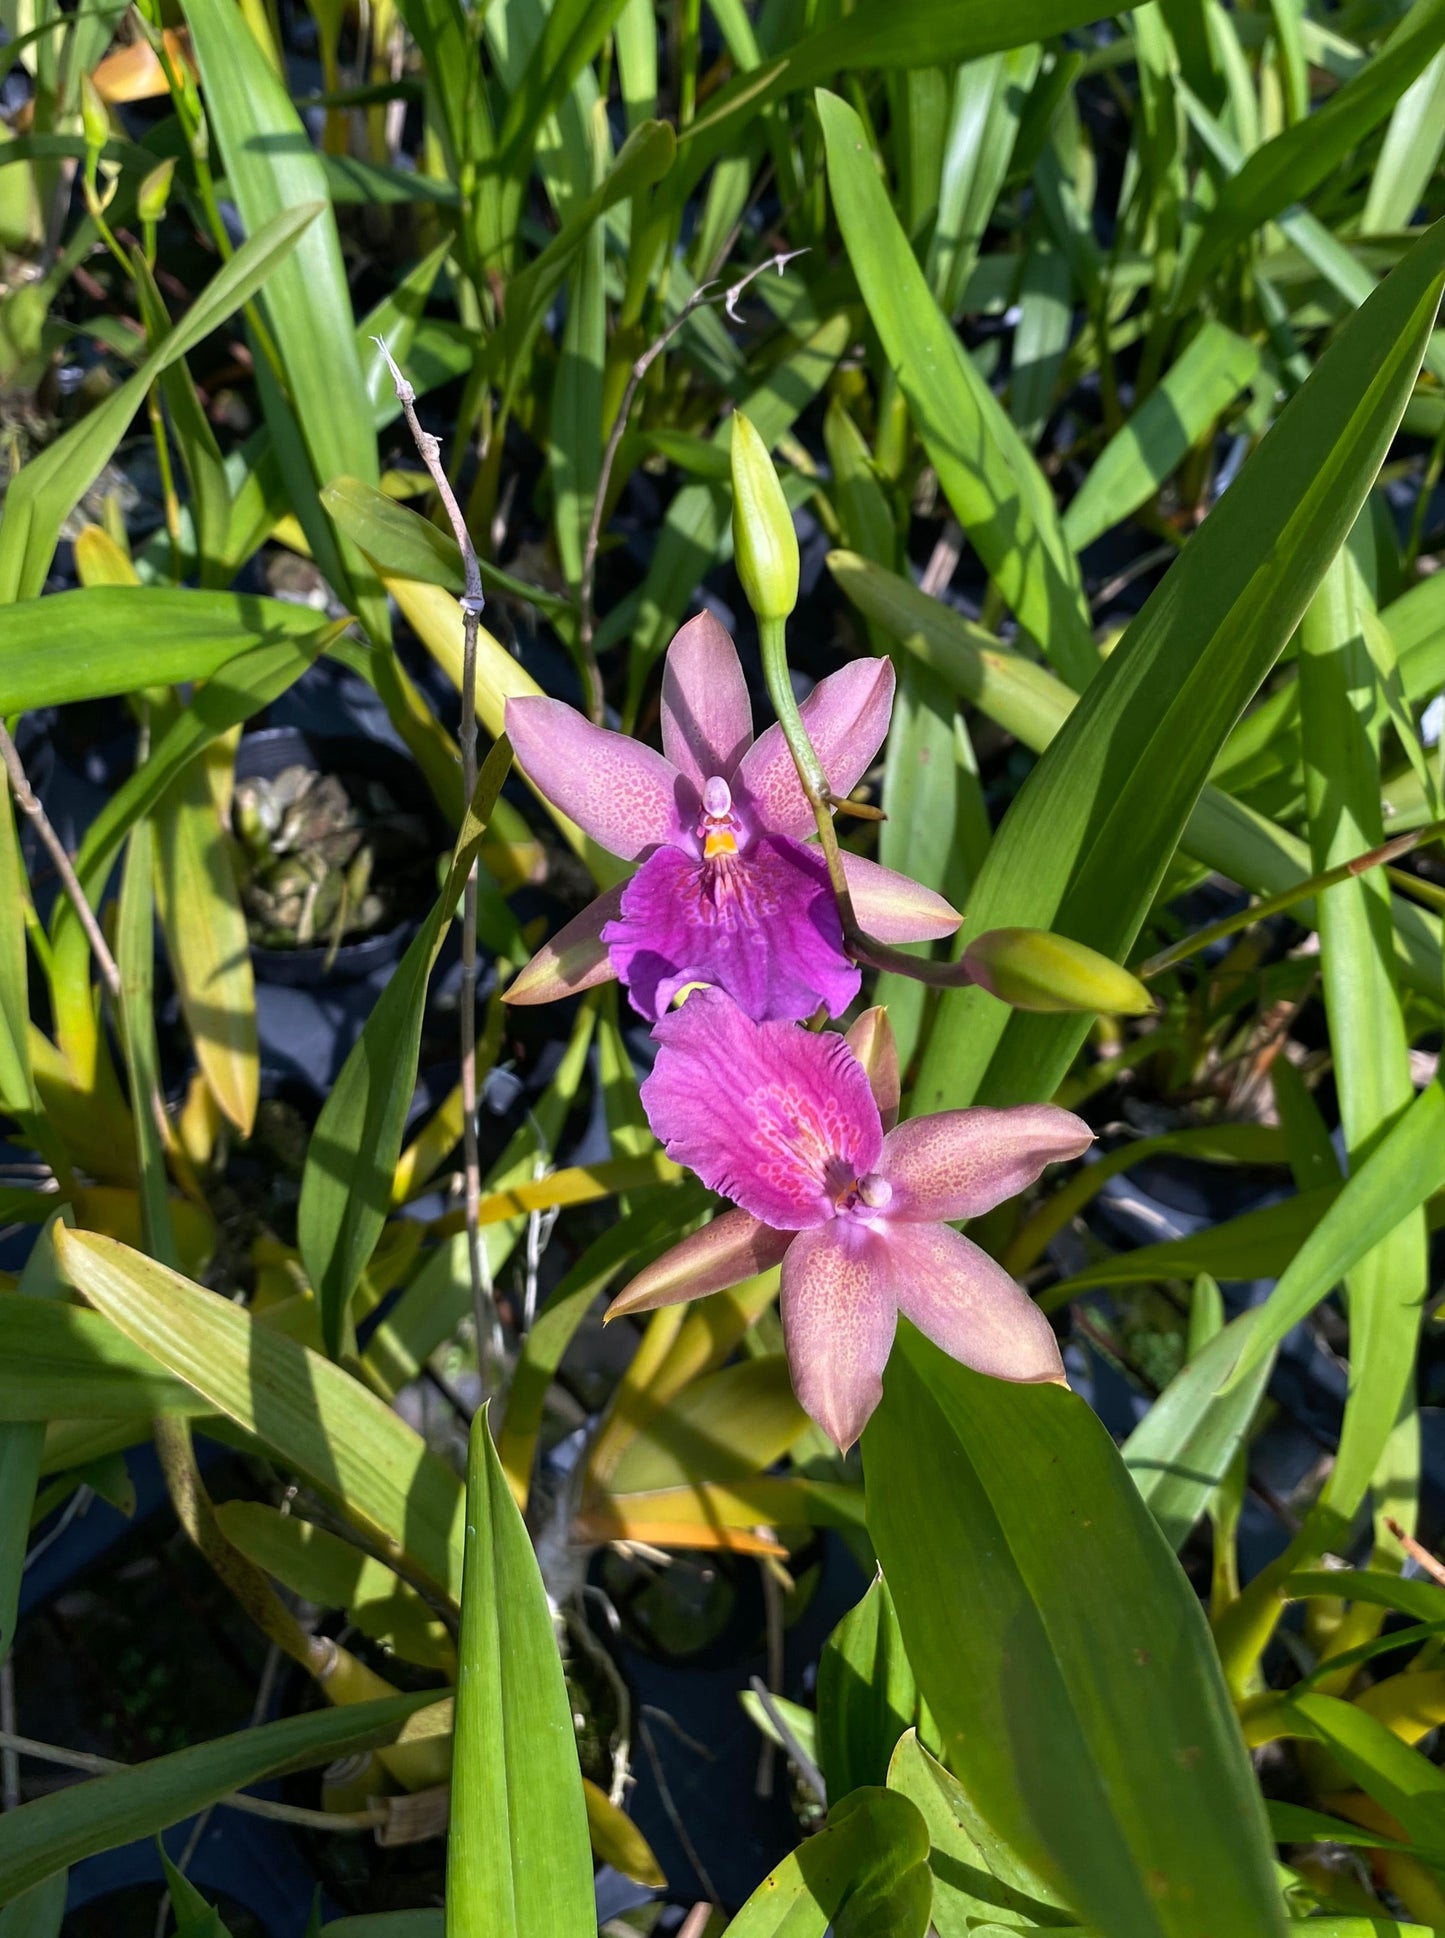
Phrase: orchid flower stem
(814, 782)
(772, 635)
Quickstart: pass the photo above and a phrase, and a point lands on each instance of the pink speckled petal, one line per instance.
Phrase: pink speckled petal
(892, 907)
(839, 1318)
(968, 1305)
(576, 958)
(872, 1041)
(762, 925)
(772, 1116)
(732, 1248)
(707, 717)
(963, 1162)
(847, 717)
(621, 793)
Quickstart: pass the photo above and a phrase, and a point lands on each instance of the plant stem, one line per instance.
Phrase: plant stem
(587, 618)
(27, 802)
(280, 1813)
(1288, 898)
(860, 946)
(473, 603)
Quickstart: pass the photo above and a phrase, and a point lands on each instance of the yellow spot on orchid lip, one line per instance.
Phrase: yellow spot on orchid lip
(718, 841)
(687, 988)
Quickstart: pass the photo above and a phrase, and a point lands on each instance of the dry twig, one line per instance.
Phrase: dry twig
(703, 294)
(472, 603)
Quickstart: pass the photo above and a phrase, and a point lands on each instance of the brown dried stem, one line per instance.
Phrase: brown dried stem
(27, 802)
(703, 294)
(472, 603)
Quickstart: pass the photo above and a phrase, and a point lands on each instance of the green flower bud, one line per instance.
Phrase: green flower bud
(764, 542)
(94, 114)
(155, 191)
(1035, 969)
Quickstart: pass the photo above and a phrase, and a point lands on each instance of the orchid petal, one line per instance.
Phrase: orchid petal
(967, 1304)
(894, 908)
(963, 1162)
(762, 925)
(846, 716)
(772, 1116)
(625, 795)
(707, 717)
(872, 1041)
(732, 1248)
(839, 1317)
(574, 959)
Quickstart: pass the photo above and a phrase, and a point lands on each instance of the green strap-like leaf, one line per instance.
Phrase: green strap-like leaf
(867, 1696)
(351, 1159)
(41, 497)
(1286, 169)
(1404, 1169)
(866, 1870)
(1180, 1452)
(43, 1837)
(314, 1418)
(1085, 845)
(997, 491)
(1063, 1654)
(518, 1857)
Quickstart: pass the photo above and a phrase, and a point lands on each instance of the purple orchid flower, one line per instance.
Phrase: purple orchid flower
(798, 1129)
(728, 892)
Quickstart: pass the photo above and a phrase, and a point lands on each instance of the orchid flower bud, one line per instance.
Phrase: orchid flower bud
(155, 190)
(765, 545)
(1035, 969)
(94, 115)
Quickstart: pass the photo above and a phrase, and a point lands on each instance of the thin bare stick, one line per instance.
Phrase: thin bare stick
(704, 293)
(279, 1813)
(807, 1769)
(773, 1611)
(1288, 898)
(473, 604)
(1417, 1552)
(26, 800)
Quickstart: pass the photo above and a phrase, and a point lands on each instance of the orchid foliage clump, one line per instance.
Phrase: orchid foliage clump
(865, 1120)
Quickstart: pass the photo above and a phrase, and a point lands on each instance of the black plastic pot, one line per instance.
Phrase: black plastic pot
(268, 752)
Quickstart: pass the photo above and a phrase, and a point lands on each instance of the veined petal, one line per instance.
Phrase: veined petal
(623, 794)
(967, 1304)
(846, 716)
(839, 1317)
(772, 1116)
(762, 925)
(894, 908)
(872, 1041)
(707, 717)
(959, 1163)
(732, 1248)
(576, 958)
